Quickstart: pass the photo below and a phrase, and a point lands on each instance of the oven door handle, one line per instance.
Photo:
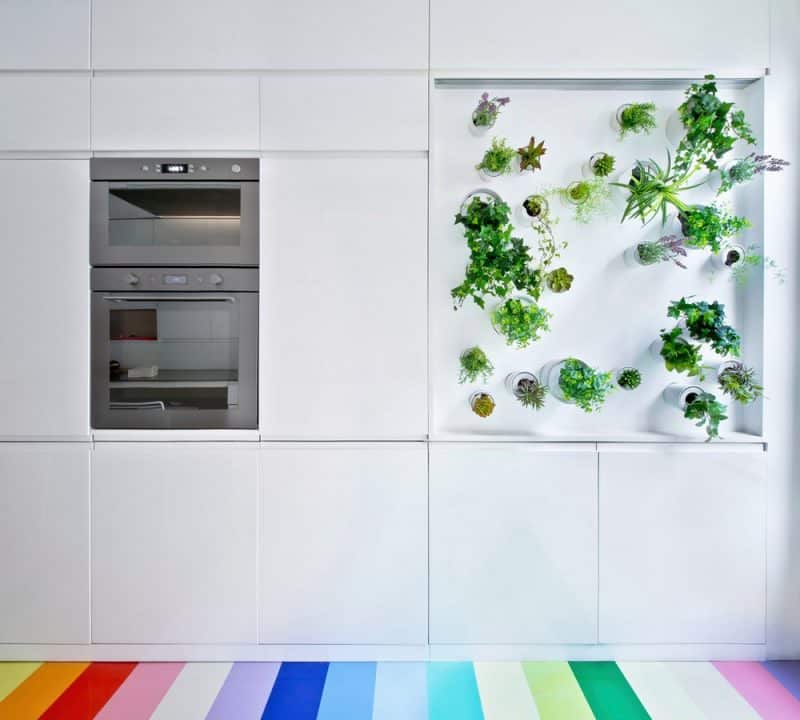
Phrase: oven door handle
(199, 297)
(146, 405)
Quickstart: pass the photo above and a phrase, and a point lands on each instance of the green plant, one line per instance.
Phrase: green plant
(680, 355)
(487, 111)
(636, 118)
(653, 189)
(603, 164)
(559, 280)
(536, 206)
(498, 158)
(474, 364)
(665, 249)
(705, 226)
(482, 404)
(520, 321)
(530, 393)
(499, 262)
(753, 260)
(586, 387)
(706, 323)
(739, 381)
(745, 169)
(712, 127)
(629, 378)
(708, 411)
(590, 197)
(530, 156)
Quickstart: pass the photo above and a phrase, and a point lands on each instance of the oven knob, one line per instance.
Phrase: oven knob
(236, 168)
(132, 279)
(215, 279)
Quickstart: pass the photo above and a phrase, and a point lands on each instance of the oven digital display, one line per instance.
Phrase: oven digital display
(176, 168)
(174, 279)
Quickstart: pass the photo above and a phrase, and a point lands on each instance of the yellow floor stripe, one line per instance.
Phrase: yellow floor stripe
(40, 690)
(13, 673)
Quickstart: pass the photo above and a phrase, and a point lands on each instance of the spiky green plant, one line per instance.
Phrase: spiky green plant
(474, 364)
(637, 118)
(530, 393)
(483, 405)
(739, 381)
(530, 155)
(629, 378)
(603, 165)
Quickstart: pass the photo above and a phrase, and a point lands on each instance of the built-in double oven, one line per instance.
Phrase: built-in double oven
(174, 287)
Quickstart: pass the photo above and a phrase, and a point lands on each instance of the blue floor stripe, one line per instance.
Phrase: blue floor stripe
(787, 673)
(453, 692)
(401, 691)
(297, 691)
(349, 692)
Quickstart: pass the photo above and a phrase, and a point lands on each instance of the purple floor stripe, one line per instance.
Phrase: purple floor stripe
(245, 692)
(787, 673)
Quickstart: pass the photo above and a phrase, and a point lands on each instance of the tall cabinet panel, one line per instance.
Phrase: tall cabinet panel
(44, 300)
(44, 534)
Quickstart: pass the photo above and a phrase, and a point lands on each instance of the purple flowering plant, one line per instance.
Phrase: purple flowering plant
(487, 111)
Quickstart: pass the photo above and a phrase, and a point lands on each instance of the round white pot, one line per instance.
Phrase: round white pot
(483, 193)
(727, 365)
(655, 349)
(488, 176)
(678, 395)
(513, 379)
(674, 129)
(631, 256)
(479, 130)
(728, 258)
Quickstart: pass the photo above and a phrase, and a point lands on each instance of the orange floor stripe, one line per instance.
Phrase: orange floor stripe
(40, 690)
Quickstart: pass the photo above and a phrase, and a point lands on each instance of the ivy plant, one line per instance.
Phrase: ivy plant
(475, 364)
(706, 226)
(708, 411)
(680, 355)
(586, 387)
(530, 156)
(705, 322)
(498, 158)
(590, 197)
(637, 118)
(520, 321)
(739, 381)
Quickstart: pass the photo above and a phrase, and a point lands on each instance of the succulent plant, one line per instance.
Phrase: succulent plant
(530, 393)
(530, 156)
(559, 280)
(629, 378)
(474, 364)
(483, 405)
(739, 381)
(603, 164)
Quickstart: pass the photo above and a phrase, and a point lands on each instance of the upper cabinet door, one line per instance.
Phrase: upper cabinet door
(44, 300)
(173, 112)
(481, 36)
(239, 34)
(44, 34)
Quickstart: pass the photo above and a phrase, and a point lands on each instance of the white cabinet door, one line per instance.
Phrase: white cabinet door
(174, 542)
(682, 545)
(343, 297)
(344, 111)
(44, 533)
(44, 112)
(171, 112)
(343, 550)
(513, 544)
(469, 34)
(44, 34)
(245, 34)
(44, 299)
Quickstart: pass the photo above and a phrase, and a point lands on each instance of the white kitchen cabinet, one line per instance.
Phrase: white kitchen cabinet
(175, 112)
(243, 34)
(344, 111)
(343, 551)
(471, 35)
(343, 297)
(174, 542)
(513, 543)
(682, 545)
(44, 112)
(44, 533)
(44, 34)
(44, 308)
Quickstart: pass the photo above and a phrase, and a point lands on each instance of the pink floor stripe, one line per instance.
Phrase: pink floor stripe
(141, 693)
(757, 685)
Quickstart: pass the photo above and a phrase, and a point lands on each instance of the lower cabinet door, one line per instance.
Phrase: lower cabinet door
(44, 534)
(343, 550)
(682, 545)
(513, 535)
(174, 542)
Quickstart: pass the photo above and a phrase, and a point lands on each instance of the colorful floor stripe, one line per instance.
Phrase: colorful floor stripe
(401, 691)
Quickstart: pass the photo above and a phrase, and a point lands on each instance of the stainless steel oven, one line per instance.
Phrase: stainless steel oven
(189, 212)
(174, 347)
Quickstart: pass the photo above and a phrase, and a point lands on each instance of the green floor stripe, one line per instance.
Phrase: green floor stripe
(608, 692)
(555, 691)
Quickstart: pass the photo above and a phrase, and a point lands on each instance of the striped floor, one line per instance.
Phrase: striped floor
(401, 691)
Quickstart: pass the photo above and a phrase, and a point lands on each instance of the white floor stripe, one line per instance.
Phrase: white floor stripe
(711, 692)
(504, 691)
(660, 692)
(193, 692)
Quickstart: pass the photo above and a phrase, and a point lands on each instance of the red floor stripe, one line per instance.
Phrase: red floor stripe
(86, 696)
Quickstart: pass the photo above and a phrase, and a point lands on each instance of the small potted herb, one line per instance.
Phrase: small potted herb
(497, 160)
(530, 156)
(573, 381)
(482, 404)
(706, 226)
(629, 378)
(705, 322)
(589, 197)
(601, 165)
(745, 169)
(739, 381)
(559, 280)
(679, 354)
(520, 320)
(485, 115)
(475, 364)
(534, 207)
(669, 248)
(636, 118)
(525, 387)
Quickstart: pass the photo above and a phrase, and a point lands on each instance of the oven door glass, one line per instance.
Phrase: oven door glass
(174, 361)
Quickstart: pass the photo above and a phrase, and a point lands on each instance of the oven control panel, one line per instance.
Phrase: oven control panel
(171, 279)
(175, 280)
